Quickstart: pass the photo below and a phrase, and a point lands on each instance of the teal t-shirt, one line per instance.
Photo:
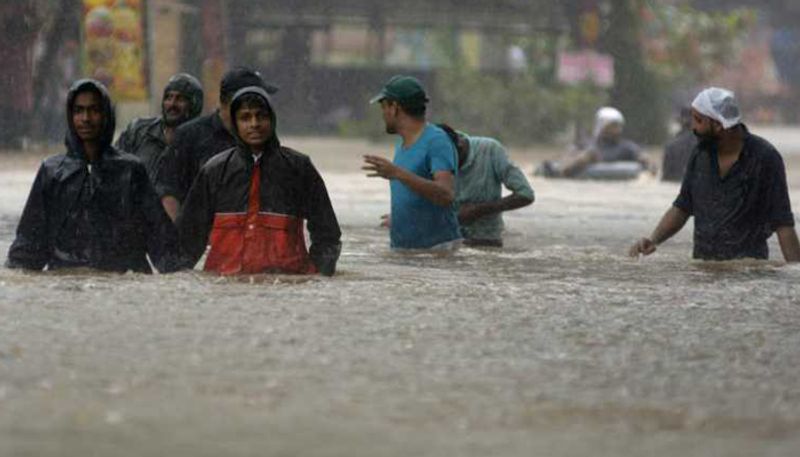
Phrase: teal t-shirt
(416, 222)
(480, 178)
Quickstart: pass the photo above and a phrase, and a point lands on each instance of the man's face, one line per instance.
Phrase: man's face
(88, 116)
(612, 131)
(390, 110)
(175, 108)
(254, 126)
(705, 128)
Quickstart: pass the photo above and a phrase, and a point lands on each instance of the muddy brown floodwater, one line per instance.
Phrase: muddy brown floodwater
(556, 345)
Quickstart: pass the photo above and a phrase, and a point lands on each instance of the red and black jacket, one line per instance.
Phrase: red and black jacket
(252, 214)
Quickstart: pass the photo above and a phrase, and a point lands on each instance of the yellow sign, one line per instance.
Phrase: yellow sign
(113, 44)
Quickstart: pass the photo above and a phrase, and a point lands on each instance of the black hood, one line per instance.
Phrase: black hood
(74, 144)
(272, 144)
(191, 88)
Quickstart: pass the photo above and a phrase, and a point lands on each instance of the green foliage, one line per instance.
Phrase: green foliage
(515, 108)
(638, 91)
(688, 46)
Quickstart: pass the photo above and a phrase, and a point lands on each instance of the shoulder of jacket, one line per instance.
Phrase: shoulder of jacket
(219, 158)
(294, 155)
(140, 124)
(54, 159)
(194, 126)
(124, 158)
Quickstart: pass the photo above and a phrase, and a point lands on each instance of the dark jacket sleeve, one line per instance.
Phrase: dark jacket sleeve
(161, 234)
(176, 172)
(323, 227)
(31, 247)
(125, 142)
(165, 176)
(196, 218)
(185, 164)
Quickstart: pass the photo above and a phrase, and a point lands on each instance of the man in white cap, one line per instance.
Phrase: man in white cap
(734, 186)
(608, 145)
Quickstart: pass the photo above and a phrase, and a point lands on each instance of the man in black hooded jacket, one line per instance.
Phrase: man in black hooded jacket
(148, 138)
(250, 202)
(93, 206)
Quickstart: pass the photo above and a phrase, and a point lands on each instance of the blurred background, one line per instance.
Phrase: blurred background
(524, 71)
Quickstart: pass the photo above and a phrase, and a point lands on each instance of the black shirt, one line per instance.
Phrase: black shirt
(736, 214)
(194, 143)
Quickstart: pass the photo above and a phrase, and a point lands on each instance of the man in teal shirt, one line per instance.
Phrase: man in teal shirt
(483, 166)
(423, 172)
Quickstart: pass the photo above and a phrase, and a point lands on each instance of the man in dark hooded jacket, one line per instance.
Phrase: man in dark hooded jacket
(198, 140)
(93, 206)
(148, 138)
(249, 202)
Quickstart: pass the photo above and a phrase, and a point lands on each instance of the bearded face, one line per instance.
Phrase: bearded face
(705, 129)
(175, 108)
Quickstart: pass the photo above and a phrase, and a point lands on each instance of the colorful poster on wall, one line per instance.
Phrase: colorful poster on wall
(584, 66)
(114, 47)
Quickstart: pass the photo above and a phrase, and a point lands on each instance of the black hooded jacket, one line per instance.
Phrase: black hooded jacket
(104, 215)
(193, 144)
(144, 137)
(290, 186)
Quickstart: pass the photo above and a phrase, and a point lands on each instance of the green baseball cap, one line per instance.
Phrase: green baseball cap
(407, 90)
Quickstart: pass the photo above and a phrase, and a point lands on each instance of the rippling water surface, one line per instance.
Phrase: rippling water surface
(556, 344)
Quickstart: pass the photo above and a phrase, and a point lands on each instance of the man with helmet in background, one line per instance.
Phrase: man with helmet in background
(148, 138)
(608, 145)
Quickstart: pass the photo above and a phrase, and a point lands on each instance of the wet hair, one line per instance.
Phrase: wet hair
(86, 88)
(462, 147)
(251, 100)
(450, 133)
(416, 110)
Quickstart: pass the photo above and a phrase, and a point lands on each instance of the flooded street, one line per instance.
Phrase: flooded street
(556, 345)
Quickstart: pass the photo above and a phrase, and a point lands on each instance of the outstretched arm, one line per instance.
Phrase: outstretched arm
(440, 190)
(790, 246)
(470, 212)
(671, 223)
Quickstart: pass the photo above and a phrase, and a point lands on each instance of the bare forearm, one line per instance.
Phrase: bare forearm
(435, 192)
(671, 223)
(790, 246)
(578, 164)
(508, 203)
(171, 206)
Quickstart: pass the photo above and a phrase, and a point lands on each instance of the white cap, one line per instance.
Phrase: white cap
(606, 116)
(720, 105)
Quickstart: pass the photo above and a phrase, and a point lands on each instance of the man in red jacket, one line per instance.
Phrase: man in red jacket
(249, 202)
